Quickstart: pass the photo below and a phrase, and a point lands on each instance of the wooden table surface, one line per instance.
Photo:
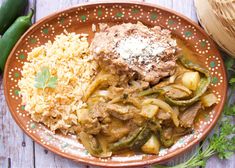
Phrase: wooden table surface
(17, 150)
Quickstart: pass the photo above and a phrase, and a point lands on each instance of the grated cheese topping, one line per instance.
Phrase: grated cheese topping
(140, 50)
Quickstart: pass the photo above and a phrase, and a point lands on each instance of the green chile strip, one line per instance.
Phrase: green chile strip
(142, 138)
(190, 65)
(126, 142)
(203, 85)
(136, 139)
(87, 140)
(12, 35)
(9, 11)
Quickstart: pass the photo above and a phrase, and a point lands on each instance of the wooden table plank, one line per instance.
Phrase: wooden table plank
(47, 159)
(187, 9)
(18, 148)
(163, 3)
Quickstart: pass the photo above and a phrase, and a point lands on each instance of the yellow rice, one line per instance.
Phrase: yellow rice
(68, 59)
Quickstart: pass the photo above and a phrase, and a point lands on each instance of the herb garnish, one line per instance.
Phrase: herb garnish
(229, 108)
(222, 142)
(44, 79)
(125, 96)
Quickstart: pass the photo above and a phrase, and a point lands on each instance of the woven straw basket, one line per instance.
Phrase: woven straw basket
(218, 18)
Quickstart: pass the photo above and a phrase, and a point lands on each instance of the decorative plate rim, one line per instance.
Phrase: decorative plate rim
(129, 164)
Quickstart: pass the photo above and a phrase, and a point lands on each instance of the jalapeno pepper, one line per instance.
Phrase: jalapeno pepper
(9, 11)
(12, 35)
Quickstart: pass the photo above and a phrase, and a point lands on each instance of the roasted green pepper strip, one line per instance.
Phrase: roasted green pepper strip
(142, 138)
(92, 145)
(134, 141)
(126, 142)
(190, 65)
(9, 11)
(202, 87)
(12, 35)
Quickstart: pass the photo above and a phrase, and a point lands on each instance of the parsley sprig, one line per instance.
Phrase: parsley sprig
(44, 79)
(222, 142)
(229, 108)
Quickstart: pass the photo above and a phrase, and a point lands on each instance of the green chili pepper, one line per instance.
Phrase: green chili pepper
(12, 35)
(142, 138)
(190, 65)
(93, 145)
(9, 11)
(126, 142)
(203, 85)
(90, 143)
(134, 141)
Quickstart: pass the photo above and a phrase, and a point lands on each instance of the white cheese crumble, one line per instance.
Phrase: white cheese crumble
(140, 50)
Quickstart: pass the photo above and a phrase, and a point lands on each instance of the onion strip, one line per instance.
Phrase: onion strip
(164, 106)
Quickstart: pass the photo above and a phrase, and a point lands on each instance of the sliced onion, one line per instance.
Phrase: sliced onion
(165, 107)
(103, 93)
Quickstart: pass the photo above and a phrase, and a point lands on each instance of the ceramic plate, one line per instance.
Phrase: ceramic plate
(79, 19)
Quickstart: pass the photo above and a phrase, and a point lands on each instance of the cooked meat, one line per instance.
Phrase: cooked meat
(187, 117)
(121, 112)
(91, 125)
(165, 118)
(117, 133)
(99, 112)
(167, 133)
(144, 85)
(136, 86)
(162, 115)
(115, 130)
(115, 92)
(179, 132)
(177, 94)
(166, 137)
(138, 119)
(136, 50)
(120, 132)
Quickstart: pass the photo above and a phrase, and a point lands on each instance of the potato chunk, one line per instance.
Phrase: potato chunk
(191, 80)
(208, 100)
(149, 110)
(152, 146)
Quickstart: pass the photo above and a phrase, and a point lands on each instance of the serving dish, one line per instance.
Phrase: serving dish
(79, 19)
